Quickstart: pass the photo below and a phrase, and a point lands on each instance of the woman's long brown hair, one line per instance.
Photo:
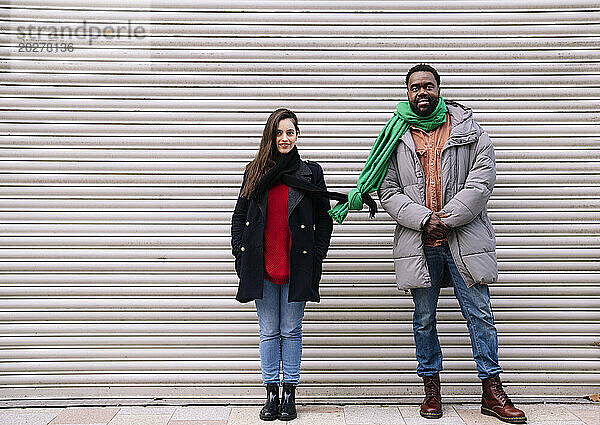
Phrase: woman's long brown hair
(267, 154)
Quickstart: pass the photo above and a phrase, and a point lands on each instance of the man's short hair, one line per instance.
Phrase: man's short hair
(423, 67)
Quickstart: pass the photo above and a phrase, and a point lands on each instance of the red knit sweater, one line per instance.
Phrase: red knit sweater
(277, 237)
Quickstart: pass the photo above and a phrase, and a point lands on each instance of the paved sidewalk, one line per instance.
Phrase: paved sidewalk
(454, 414)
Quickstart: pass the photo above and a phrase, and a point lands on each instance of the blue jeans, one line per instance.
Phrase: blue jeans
(475, 307)
(280, 334)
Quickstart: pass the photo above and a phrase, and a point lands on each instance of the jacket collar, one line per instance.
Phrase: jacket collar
(294, 195)
(463, 129)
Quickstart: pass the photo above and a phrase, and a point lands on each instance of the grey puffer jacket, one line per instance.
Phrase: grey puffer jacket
(468, 168)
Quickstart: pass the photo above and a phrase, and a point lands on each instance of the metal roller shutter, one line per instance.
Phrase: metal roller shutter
(121, 161)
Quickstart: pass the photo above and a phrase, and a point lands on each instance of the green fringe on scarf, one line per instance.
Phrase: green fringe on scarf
(375, 168)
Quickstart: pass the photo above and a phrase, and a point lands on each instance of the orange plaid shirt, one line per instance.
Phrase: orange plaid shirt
(429, 145)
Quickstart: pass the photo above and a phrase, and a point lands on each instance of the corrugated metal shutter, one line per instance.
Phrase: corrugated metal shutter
(122, 159)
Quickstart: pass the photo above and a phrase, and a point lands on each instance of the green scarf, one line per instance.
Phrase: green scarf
(375, 168)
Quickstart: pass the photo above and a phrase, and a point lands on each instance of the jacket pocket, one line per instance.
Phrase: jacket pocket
(316, 279)
(317, 269)
(407, 242)
(486, 225)
(475, 237)
(238, 263)
(482, 267)
(412, 272)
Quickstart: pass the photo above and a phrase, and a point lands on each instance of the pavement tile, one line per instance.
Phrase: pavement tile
(452, 420)
(85, 416)
(473, 416)
(413, 411)
(201, 413)
(555, 422)
(373, 415)
(591, 420)
(323, 415)
(307, 415)
(197, 423)
(323, 409)
(26, 418)
(590, 414)
(140, 420)
(246, 416)
(148, 410)
(548, 413)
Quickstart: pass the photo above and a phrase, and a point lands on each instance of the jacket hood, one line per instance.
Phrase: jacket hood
(464, 129)
(458, 113)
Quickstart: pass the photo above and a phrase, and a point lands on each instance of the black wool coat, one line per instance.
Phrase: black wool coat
(310, 229)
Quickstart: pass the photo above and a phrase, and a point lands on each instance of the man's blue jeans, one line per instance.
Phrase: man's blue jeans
(475, 307)
(280, 334)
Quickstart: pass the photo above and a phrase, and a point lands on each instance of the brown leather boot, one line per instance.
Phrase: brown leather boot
(495, 402)
(431, 408)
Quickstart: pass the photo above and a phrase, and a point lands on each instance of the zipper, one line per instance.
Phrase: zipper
(486, 226)
(422, 192)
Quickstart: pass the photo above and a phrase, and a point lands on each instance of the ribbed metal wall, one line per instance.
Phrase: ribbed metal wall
(121, 162)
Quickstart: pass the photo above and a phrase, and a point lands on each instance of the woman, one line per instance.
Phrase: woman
(280, 234)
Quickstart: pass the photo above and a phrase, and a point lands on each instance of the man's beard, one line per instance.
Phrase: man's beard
(423, 113)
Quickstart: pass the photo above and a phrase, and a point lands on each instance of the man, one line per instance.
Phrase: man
(434, 169)
(436, 187)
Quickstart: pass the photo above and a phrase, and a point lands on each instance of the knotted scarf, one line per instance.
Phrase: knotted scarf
(283, 171)
(375, 168)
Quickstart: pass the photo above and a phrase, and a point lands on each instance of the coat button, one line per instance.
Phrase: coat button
(242, 249)
(247, 223)
(304, 252)
(302, 226)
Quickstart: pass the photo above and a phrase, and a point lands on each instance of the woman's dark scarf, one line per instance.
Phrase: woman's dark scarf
(284, 171)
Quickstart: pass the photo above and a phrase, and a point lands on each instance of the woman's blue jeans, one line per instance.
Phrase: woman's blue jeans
(280, 334)
(475, 307)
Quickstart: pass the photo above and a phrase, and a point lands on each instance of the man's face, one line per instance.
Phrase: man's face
(423, 93)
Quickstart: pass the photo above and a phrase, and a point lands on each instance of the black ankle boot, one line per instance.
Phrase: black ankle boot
(287, 410)
(271, 408)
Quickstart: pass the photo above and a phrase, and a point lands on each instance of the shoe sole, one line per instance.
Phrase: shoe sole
(431, 415)
(267, 418)
(287, 418)
(490, 412)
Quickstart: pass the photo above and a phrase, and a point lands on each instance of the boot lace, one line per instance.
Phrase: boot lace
(431, 388)
(499, 393)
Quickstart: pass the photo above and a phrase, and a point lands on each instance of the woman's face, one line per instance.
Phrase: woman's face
(285, 136)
